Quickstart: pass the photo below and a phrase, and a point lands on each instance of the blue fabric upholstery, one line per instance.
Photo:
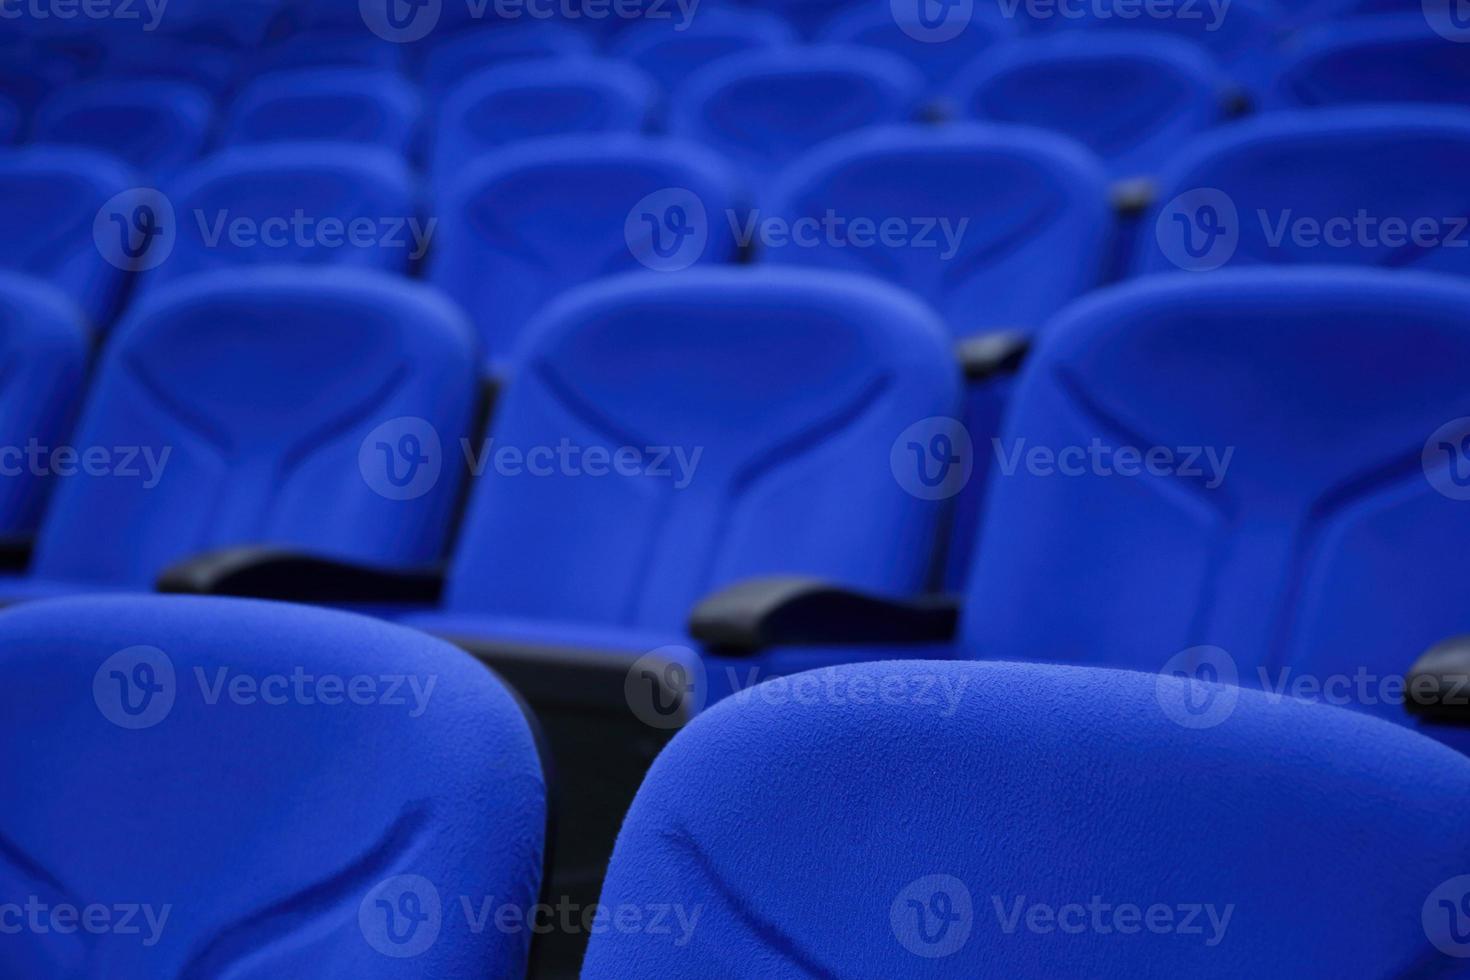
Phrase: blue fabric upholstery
(1131, 99)
(877, 26)
(454, 59)
(155, 127)
(329, 49)
(807, 16)
(10, 121)
(1307, 533)
(217, 798)
(763, 109)
(1027, 212)
(49, 202)
(671, 56)
(239, 376)
(904, 819)
(523, 224)
(206, 67)
(541, 98)
(767, 472)
(268, 185)
(44, 345)
(342, 104)
(1379, 59)
(1288, 188)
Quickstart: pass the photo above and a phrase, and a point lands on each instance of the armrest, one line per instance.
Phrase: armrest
(1438, 689)
(1131, 198)
(273, 573)
(15, 553)
(994, 353)
(765, 612)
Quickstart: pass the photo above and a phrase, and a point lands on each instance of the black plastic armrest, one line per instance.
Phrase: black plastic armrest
(15, 553)
(274, 573)
(1438, 689)
(765, 612)
(1131, 198)
(993, 353)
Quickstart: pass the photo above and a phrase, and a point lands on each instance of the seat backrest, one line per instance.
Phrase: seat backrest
(750, 416)
(294, 204)
(232, 400)
(1368, 186)
(214, 743)
(454, 59)
(1237, 461)
(999, 225)
(763, 109)
(1391, 58)
(212, 69)
(50, 198)
(327, 49)
(1131, 99)
(525, 223)
(156, 127)
(537, 99)
(938, 47)
(669, 57)
(982, 819)
(44, 348)
(349, 105)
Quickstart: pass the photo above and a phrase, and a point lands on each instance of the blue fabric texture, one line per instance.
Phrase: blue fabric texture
(156, 127)
(351, 105)
(905, 819)
(267, 782)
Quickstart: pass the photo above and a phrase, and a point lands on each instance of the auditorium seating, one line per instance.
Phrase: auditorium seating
(935, 48)
(273, 438)
(347, 105)
(671, 56)
(975, 819)
(1375, 59)
(154, 127)
(184, 770)
(524, 224)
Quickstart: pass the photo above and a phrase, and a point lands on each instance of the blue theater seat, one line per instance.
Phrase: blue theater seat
(241, 24)
(927, 48)
(210, 68)
(287, 199)
(1375, 59)
(1326, 186)
(530, 99)
(1027, 211)
(671, 56)
(272, 436)
(1131, 99)
(328, 49)
(341, 104)
(1242, 36)
(452, 60)
(62, 190)
(807, 16)
(155, 127)
(763, 109)
(787, 466)
(522, 225)
(45, 340)
(960, 820)
(269, 790)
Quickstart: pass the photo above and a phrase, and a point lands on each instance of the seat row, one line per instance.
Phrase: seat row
(1186, 527)
(1129, 97)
